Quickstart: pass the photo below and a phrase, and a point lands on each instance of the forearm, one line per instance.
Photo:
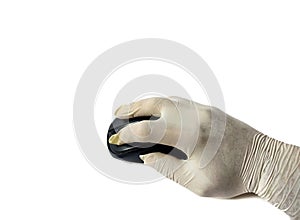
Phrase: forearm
(271, 169)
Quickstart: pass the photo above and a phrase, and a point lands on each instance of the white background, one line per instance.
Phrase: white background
(253, 49)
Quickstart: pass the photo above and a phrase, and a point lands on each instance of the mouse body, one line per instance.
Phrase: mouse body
(131, 151)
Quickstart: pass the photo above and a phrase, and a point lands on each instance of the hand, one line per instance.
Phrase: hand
(194, 129)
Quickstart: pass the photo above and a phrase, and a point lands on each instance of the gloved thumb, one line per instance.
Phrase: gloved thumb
(163, 163)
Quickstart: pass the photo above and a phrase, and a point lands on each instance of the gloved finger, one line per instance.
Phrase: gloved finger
(184, 101)
(144, 107)
(165, 164)
(180, 99)
(144, 131)
(154, 131)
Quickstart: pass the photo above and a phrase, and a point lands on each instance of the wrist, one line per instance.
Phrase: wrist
(271, 169)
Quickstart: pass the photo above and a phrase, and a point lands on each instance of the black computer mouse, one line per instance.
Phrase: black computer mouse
(130, 152)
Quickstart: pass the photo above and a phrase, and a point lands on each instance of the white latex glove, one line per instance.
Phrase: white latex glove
(240, 159)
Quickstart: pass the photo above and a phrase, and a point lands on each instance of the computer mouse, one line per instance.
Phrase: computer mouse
(130, 152)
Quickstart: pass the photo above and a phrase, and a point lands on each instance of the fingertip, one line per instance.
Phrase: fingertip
(114, 139)
(122, 110)
(126, 111)
(151, 157)
(142, 157)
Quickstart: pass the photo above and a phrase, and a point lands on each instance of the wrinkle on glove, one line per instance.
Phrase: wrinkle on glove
(271, 169)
